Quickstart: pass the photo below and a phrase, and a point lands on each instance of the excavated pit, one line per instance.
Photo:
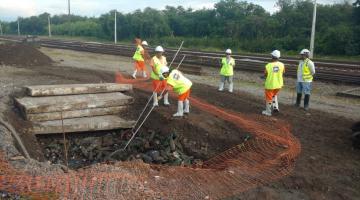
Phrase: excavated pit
(162, 140)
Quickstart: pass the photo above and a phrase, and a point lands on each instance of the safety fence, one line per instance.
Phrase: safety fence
(268, 157)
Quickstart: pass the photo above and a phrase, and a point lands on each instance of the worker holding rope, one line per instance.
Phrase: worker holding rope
(227, 71)
(139, 58)
(273, 83)
(159, 82)
(181, 86)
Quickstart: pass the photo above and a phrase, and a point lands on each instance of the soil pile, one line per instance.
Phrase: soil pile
(22, 55)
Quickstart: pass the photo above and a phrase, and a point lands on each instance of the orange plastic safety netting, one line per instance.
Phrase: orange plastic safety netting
(267, 157)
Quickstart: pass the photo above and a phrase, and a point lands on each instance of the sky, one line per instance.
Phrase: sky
(11, 9)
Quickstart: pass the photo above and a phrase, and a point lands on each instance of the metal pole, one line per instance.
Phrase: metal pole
(69, 7)
(312, 40)
(18, 26)
(115, 29)
(49, 22)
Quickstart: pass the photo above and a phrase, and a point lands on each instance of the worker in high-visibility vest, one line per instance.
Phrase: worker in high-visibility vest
(273, 82)
(139, 58)
(305, 76)
(227, 71)
(181, 86)
(158, 81)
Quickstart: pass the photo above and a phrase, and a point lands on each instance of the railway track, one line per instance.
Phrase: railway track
(327, 70)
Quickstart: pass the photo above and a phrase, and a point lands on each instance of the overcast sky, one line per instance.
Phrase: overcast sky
(11, 9)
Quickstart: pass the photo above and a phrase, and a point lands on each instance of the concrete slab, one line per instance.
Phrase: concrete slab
(108, 122)
(74, 114)
(31, 105)
(56, 90)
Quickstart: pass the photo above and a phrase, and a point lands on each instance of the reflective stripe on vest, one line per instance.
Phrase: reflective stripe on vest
(227, 69)
(306, 73)
(274, 78)
(179, 82)
(138, 56)
(158, 63)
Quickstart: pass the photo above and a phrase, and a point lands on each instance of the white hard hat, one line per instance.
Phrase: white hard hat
(304, 51)
(159, 49)
(145, 43)
(276, 54)
(164, 69)
(228, 51)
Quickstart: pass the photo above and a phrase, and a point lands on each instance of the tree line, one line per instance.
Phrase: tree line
(232, 24)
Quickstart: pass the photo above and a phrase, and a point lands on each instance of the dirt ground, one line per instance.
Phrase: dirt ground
(327, 168)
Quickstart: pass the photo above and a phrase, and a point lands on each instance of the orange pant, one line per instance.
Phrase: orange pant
(159, 86)
(140, 65)
(269, 94)
(184, 96)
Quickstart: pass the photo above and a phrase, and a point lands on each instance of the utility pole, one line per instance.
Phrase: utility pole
(312, 39)
(18, 26)
(115, 29)
(49, 23)
(69, 7)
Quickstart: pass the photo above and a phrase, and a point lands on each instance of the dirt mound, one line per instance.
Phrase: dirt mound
(22, 55)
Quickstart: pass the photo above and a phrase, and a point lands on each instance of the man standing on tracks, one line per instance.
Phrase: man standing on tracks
(158, 80)
(139, 58)
(305, 75)
(227, 71)
(273, 83)
(181, 86)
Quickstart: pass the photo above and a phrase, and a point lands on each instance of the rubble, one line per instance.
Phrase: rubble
(150, 147)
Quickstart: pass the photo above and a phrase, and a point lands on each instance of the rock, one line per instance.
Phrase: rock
(107, 140)
(146, 158)
(153, 154)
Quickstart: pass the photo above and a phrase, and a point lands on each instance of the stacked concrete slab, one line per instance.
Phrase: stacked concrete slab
(75, 108)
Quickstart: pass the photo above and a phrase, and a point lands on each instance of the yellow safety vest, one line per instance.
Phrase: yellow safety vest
(138, 56)
(157, 64)
(227, 68)
(274, 79)
(179, 82)
(306, 73)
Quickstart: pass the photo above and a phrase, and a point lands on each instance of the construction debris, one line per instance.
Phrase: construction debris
(75, 108)
(150, 147)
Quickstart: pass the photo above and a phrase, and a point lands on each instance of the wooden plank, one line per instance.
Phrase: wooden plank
(75, 114)
(31, 105)
(108, 122)
(57, 90)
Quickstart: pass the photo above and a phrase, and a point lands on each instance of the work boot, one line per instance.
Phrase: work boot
(144, 74)
(166, 99)
(180, 110)
(134, 74)
(298, 99)
(231, 87)
(186, 106)
(155, 99)
(306, 101)
(275, 104)
(267, 112)
(221, 86)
